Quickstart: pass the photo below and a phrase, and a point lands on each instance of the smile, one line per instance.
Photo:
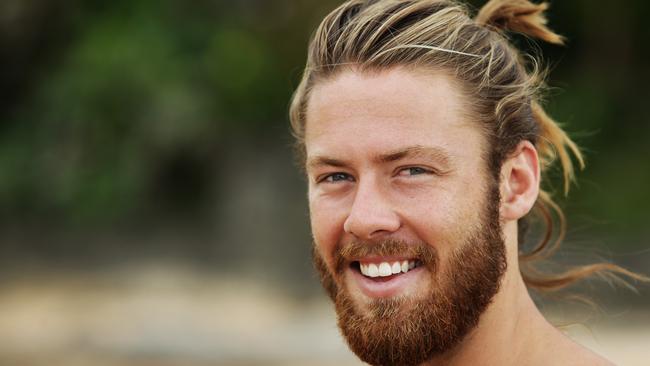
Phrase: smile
(386, 277)
(385, 269)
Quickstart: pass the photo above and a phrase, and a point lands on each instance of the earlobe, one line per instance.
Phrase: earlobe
(520, 177)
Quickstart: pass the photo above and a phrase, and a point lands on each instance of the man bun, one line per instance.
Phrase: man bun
(520, 16)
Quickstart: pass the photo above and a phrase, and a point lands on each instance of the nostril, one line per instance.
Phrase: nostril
(368, 225)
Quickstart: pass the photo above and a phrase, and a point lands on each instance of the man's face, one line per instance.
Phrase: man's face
(403, 213)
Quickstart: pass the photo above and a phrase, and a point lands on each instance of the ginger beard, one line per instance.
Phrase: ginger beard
(407, 331)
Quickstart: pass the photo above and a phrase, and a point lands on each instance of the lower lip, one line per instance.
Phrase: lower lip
(386, 286)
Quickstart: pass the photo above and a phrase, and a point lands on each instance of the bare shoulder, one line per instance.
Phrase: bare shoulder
(588, 357)
(574, 354)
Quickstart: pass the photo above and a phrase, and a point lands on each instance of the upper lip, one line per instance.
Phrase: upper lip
(379, 259)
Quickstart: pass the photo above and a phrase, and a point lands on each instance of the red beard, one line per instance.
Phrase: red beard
(403, 331)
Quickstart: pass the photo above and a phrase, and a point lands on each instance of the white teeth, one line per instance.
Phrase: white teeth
(384, 269)
(373, 271)
(396, 268)
(405, 266)
(363, 268)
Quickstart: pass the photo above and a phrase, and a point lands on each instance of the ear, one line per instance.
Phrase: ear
(520, 176)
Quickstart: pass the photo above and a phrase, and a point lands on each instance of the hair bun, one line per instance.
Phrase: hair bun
(521, 16)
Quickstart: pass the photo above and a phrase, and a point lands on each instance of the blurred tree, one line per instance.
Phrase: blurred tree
(128, 112)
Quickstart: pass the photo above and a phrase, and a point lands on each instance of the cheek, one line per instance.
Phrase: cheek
(326, 225)
(431, 211)
(443, 218)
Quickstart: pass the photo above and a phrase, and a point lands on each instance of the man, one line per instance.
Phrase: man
(424, 142)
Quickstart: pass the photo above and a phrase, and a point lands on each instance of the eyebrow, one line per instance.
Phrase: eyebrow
(437, 154)
(318, 161)
(433, 153)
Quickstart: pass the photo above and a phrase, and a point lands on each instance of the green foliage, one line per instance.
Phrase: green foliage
(127, 110)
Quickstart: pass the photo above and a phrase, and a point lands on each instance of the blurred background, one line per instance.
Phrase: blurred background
(151, 212)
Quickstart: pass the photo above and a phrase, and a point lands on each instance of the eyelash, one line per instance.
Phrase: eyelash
(332, 175)
(421, 171)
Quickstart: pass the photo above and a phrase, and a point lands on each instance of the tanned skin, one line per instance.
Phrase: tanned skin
(355, 117)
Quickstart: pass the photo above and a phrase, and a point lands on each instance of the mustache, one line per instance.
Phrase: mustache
(426, 254)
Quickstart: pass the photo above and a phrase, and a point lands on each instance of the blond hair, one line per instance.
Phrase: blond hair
(503, 85)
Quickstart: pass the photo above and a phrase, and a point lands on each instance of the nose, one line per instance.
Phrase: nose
(371, 214)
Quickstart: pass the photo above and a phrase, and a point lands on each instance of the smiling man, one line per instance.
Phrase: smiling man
(424, 143)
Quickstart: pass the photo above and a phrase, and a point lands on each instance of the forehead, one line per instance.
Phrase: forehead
(358, 113)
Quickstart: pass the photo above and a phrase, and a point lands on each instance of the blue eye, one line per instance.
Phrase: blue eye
(415, 170)
(337, 177)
